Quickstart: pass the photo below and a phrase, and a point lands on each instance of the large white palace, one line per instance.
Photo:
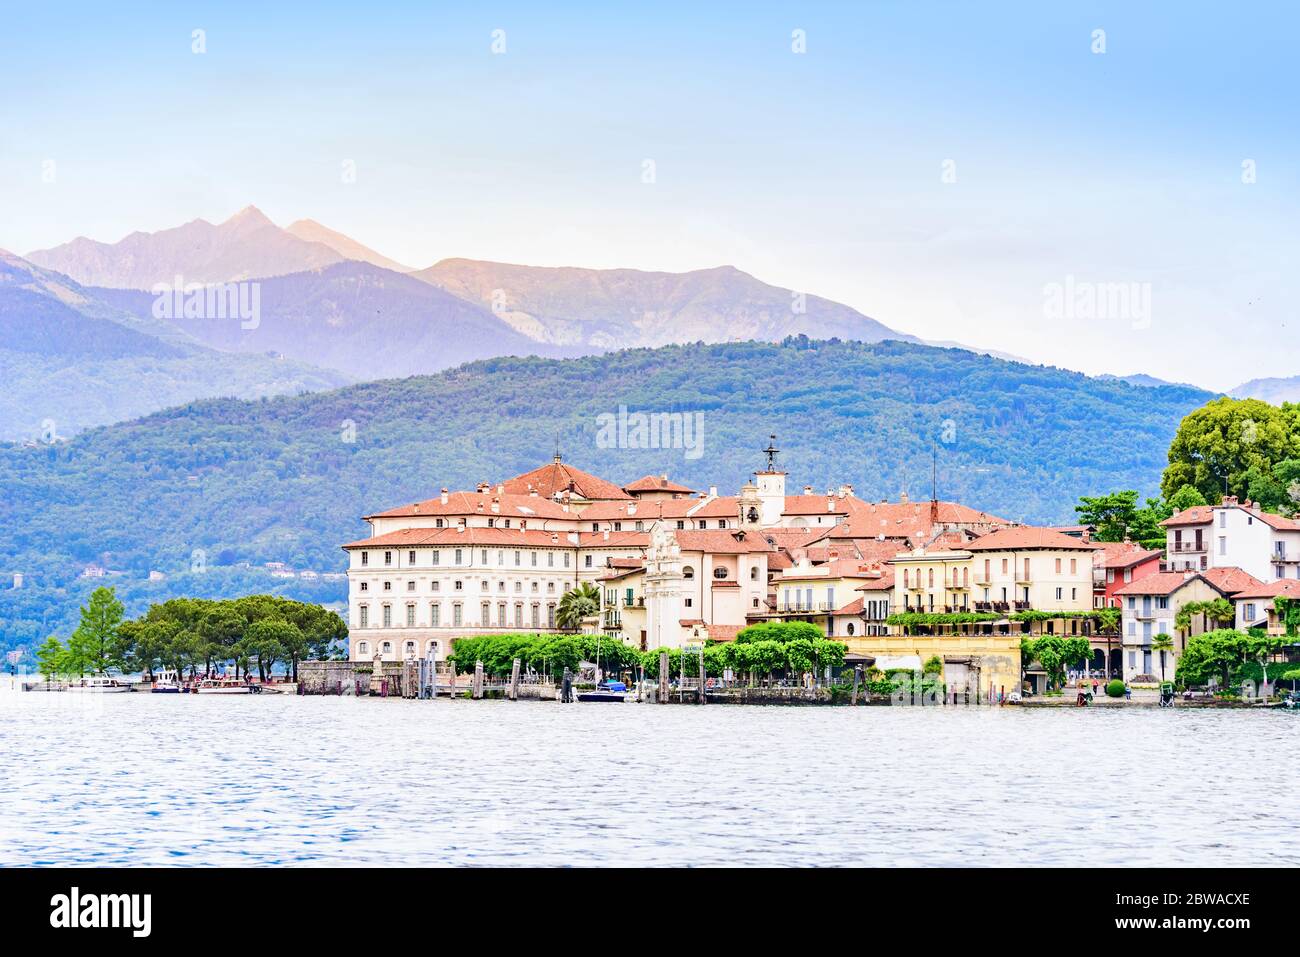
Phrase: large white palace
(673, 565)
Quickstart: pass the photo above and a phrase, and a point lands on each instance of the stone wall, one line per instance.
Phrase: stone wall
(346, 677)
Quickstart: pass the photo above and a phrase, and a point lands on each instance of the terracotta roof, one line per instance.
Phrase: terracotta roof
(814, 505)
(1282, 588)
(908, 519)
(837, 568)
(1126, 555)
(626, 539)
(625, 562)
(722, 542)
(480, 503)
(557, 476)
(1162, 583)
(617, 573)
(724, 632)
(656, 483)
(1230, 580)
(1196, 515)
(413, 537)
(794, 537)
(884, 583)
(722, 506)
(1025, 536)
(638, 510)
(854, 607)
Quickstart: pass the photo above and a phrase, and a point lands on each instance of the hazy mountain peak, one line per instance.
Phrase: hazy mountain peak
(622, 308)
(347, 247)
(246, 246)
(246, 217)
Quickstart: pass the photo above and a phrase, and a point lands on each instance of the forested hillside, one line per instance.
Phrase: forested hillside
(287, 479)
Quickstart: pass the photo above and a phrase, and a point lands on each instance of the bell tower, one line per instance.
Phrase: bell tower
(771, 487)
(751, 508)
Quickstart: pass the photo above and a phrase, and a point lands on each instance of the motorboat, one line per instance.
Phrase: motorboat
(223, 684)
(605, 691)
(167, 682)
(100, 684)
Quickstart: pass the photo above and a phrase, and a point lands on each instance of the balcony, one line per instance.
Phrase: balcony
(1189, 547)
(634, 602)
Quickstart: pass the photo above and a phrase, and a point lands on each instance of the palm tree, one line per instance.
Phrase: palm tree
(576, 604)
(1162, 642)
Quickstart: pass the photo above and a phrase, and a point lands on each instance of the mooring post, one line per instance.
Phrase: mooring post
(701, 699)
(663, 677)
(857, 676)
(478, 679)
(514, 680)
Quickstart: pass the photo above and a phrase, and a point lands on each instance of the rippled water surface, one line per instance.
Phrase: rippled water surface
(186, 780)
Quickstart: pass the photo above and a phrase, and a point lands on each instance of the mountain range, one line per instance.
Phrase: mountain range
(332, 310)
(70, 360)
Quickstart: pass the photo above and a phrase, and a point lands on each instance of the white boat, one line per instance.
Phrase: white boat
(101, 684)
(167, 682)
(223, 684)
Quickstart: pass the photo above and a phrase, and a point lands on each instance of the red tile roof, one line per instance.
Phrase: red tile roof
(480, 503)
(815, 505)
(1282, 588)
(722, 542)
(656, 483)
(557, 476)
(1026, 536)
(671, 508)
(1230, 580)
(854, 607)
(1162, 583)
(1196, 515)
(884, 583)
(724, 632)
(412, 537)
(1126, 555)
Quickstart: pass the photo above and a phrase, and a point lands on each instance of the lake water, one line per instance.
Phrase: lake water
(188, 780)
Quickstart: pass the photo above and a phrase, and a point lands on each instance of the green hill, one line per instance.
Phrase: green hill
(283, 479)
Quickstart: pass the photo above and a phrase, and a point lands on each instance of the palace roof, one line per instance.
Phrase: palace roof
(480, 503)
(557, 476)
(657, 483)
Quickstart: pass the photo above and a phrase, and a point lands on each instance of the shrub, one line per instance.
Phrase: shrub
(1115, 688)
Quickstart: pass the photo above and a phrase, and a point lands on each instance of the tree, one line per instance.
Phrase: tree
(1118, 516)
(576, 604)
(1189, 496)
(1162, 643)
(52, 658)
(1227, 444)
(96, 639)
(1212, 654)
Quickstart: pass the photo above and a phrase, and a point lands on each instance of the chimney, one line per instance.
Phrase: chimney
(713, 491)
(807, 489)
(532, 492)
(607, 534)
(444, 496)
(501, 489)
(416, 508)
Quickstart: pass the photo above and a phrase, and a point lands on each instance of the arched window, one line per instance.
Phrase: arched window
(363, 648)
(410, 649)
(719, 572)
(433, 647)
(753, 574)
(388, 647)
(688, 572)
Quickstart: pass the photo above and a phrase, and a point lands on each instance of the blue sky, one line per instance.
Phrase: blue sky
(821, 171)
